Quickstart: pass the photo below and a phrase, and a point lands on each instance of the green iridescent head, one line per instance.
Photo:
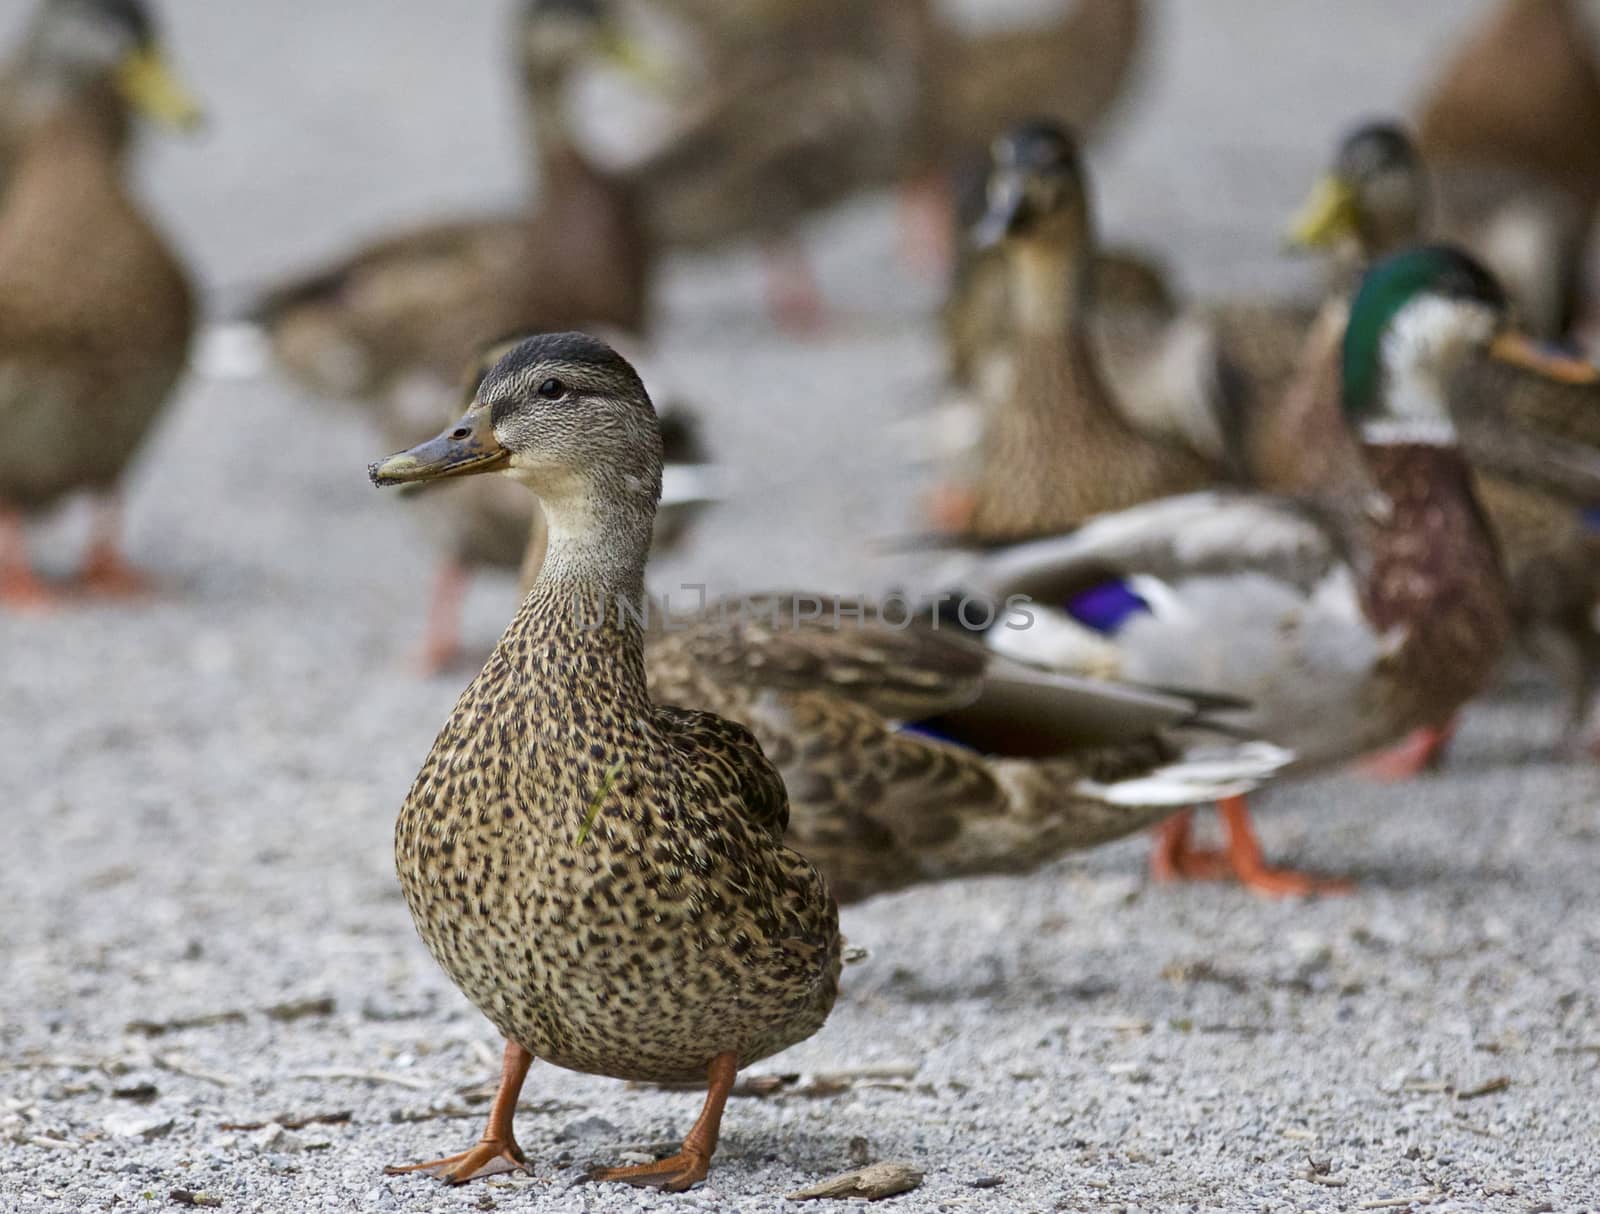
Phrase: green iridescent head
(1415, 315)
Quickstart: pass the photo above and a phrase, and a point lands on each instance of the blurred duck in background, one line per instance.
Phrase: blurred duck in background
(96, 312)
(1056, 444)
(394, 325)
(1511, 129)
(797, 107)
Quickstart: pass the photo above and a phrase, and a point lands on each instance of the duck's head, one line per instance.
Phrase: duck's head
(74, 45)
(559, 35)
(567, 416)
(1417, 316)
(1375, 194)
(1035, 188)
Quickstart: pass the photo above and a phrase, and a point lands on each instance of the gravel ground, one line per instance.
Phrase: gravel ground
(202, 928)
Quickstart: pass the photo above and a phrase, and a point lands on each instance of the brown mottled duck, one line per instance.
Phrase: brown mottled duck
(1057, 447)
(602, 875)
(96, 311)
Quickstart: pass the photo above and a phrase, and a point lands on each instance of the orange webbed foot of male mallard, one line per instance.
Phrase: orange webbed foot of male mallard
(689, 1166)
(1422, 751)
(1173, 859)
(21, 589)
(497, 1151)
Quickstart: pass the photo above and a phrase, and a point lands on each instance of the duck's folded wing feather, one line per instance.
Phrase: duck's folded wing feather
(1193, 535)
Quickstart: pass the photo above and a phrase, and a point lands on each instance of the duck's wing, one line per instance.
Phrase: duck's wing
(1211, 534)
(1531, 414)
(732, 764)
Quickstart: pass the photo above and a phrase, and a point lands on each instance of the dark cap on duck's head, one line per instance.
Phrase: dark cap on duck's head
(562, 412)
(1035, 174)
(1375, 192)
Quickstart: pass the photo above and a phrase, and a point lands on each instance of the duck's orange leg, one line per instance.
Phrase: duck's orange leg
(1423, 750)
(1174, 859)
(793, 297)
(21, 589)
(927, 223)
(949, 507)
(441, 640)
(689, 1166)
(106, 572)
(497, 1151)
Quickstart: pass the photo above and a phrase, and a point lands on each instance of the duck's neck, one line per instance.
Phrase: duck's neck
(586, 605)
(555, 150)
(1050, 283)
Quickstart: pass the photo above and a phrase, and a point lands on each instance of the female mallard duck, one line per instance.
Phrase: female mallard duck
(95, 312)
(1382, 193)
(69, 49)
(602, 875)
(1347, 619)
(1056, 445)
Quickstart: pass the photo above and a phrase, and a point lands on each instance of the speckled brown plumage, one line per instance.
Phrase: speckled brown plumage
(677, 929)
(604, 877)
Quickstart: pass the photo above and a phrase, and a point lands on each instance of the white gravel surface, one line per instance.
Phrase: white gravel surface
(198, 793)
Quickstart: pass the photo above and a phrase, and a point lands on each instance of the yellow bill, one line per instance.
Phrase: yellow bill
(1532, 356)
(152, 88)
(1328, 214)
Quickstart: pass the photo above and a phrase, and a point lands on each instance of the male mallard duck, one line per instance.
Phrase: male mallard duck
(602, 875)
(1347, 618)
(1382, 193)
(70, 48)
(95, 310)
(396, 322)
(1525, 413)
(1056, 446)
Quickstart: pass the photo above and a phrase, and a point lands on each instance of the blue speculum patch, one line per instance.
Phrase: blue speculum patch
(1591, 518)
(1106, 607)
(930, 730)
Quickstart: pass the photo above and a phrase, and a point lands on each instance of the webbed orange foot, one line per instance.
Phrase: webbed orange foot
(497, 1151)
(1173, 859)
(491, 1157)
(674, 1174)
(689, 1166)
(1173, 856)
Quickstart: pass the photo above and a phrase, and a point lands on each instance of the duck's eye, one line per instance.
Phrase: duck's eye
(460, 432)
(552, 389)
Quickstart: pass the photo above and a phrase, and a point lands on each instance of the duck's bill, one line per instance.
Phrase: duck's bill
(467, 448)
(635, 60)
(1328, 214)
(1542, 360)
(1004, 214)
(152, 88)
